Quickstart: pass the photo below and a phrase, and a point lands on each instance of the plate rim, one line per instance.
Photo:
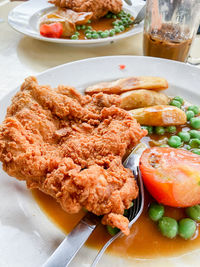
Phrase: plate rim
(161, 60)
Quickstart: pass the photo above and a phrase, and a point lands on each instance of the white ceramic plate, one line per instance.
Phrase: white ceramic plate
(25, 17)
(27, 237)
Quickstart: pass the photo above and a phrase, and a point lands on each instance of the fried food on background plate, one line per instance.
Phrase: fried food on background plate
(68, 18)
(99, 7)
(143, 98)
(71, 147)
(128, 84)
(78, 18)
(161, 115)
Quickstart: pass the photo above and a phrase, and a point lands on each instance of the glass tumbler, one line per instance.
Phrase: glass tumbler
(170, 27)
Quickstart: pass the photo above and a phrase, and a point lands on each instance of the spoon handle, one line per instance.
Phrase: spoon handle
(72, 243)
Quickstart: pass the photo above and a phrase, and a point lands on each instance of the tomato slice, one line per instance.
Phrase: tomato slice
(172, 176)
(53, 30)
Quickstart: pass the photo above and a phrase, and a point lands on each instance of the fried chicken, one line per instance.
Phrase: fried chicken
(71, 147)
(99, 7)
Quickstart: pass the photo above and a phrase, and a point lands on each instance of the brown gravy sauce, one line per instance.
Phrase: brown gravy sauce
(101, 24)
(144, 241)
(168, 42)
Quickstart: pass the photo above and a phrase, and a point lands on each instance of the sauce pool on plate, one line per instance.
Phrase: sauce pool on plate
(144, 241)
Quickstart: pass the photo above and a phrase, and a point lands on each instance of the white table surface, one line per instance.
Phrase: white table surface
(21, 56)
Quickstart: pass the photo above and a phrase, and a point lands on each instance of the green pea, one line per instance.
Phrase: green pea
(112, 32)
(164, 146)
(95, 35)
(129, 15)
(125, 21)
(99, 32)
(194, 143)
(89, 27)
(130, 21)
(189, 114)
(185, 136)
(188, 147)
(156, 212)
(194, 212)
(78, 27)
(115, 23)
(74, 37)
(126, 25)
(114, 16)
(88, 35)
(121, 28)
(196, 151)
(117, 29)
(104, 34)
(179, 99)
(171, 129)
(150, 130)
(195, 134)
(87, 31)
(120, 14)
(194, 108)
(186, 228)
(174, 141)
(108, 16)
(89, 21)
(131, 205)
(168, 227)
(83, 27)
(175, 103)
(195, 122)
(112, 231)
(160, 130)
(77, 33)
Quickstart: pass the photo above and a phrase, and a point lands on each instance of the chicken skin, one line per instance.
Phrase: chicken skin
(71, 147)
(99, 7)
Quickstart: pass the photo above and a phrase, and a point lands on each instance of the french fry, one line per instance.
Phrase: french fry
(142, 98)
(128, 84)
(163, 115)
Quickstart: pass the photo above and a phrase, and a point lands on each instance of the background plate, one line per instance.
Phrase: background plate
(24, 18)
(27, 237)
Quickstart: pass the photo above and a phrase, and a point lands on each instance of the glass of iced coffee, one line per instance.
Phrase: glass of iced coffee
(170, 27)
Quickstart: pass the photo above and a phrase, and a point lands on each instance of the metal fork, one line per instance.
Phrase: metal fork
(67, 250)
(135, 211)
(140, 16)
(129, 2)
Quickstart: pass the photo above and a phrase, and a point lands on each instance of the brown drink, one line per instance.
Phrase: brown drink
(167, 42)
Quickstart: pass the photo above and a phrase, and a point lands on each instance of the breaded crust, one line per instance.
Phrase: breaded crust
(71, 147)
